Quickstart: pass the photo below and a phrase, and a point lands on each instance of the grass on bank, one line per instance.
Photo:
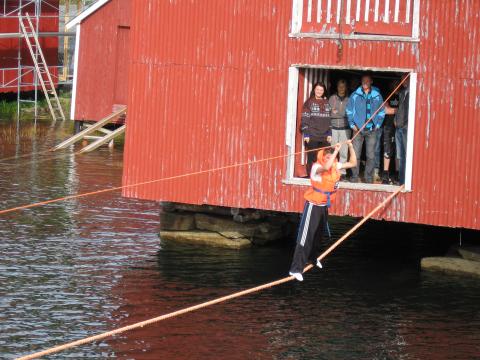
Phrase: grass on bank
(8, 113)
(8, 108)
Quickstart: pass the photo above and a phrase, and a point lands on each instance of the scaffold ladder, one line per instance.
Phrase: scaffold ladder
(41, 68)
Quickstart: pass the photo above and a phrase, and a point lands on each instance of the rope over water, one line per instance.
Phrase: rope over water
(221, 299)
(141, 324)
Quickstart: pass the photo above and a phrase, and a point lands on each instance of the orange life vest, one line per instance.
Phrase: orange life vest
(323, 192)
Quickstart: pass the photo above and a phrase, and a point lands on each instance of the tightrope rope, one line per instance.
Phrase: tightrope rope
(36, 161)
(221, 299)
(141, 324)
(4, 161)
(76, 196)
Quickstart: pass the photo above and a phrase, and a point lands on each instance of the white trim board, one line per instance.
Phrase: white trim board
(291, 104)
(361, 68)
(416, 20)
(346, 185)
(75, 73)
(388, 38)
(410, 131)
(297, 14)
(86, 13)
(291, 116)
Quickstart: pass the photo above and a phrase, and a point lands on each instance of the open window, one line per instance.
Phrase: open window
(301, 80)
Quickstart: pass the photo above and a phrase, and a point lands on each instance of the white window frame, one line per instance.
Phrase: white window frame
(297, 20)
(291, 127)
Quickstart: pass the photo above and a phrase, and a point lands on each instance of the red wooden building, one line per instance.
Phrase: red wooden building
(101, 59)
(47, 13)
(220, 82)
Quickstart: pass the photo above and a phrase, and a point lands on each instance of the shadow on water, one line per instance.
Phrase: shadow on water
(77, 268)
(369, 302)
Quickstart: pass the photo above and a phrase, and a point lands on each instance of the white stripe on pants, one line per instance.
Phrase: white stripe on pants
(307, 224)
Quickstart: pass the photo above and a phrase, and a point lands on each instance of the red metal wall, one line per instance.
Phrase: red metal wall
(102, 77)
(208, 87)
(9, 47)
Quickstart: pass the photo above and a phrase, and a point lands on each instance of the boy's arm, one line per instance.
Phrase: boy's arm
(353, 157)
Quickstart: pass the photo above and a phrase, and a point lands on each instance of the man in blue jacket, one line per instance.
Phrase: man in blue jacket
(361, 106)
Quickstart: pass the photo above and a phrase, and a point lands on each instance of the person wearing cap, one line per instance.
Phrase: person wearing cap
(324, 178)
(401, 124)
(363, 103)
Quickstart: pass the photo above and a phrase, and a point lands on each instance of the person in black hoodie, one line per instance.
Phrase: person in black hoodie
(401, 124)
(315, 124)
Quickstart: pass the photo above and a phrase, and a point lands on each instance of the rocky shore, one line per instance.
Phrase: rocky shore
(224, 227)
(460, 260)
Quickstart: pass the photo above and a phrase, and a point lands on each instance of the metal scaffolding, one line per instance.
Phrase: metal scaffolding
(37, 11)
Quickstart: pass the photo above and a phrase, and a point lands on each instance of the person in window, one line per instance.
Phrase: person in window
(315, 123)
(340, 129)
(361, 106)
(401, 125)
(324, 179)
(389, 134)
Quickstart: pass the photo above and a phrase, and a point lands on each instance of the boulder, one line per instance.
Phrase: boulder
(232, 234)
(470, 253)
(176, 221)
(222, 224)
(167, 206)
(452, 251)
(205, 238)
(245, 215)
(451, 264)
(209, 209)
(267, 233)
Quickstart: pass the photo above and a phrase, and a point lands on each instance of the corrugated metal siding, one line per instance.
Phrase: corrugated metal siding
(209, 88)
(102, 39)
(9, 47)
(446, 131)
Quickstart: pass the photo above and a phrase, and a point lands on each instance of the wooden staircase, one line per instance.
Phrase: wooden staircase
(108, 135)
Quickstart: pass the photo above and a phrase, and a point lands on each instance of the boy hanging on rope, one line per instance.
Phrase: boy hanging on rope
(324, 178)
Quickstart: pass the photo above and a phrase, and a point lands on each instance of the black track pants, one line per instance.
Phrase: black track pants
(310, 233)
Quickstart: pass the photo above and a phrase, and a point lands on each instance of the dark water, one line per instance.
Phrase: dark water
(81, 267)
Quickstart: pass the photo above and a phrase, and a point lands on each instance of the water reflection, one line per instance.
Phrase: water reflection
(77, 268)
